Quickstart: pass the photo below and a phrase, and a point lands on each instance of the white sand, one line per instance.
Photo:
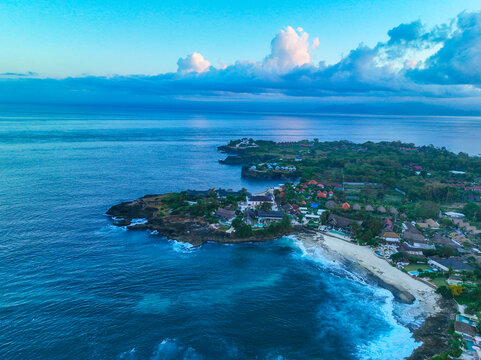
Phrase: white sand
(366, 258)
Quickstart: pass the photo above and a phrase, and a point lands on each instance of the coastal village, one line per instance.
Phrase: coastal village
(431, 231)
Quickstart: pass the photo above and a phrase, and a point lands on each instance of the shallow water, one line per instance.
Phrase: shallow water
(75, 287)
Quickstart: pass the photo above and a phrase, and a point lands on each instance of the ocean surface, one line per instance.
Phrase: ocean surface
(72, 286)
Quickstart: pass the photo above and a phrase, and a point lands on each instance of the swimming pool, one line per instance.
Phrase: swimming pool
(464, 319)
(336, 232)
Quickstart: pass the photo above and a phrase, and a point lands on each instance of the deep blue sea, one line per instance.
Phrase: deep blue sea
(72, 286)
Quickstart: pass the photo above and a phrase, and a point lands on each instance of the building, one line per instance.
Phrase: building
(463, 328)
(341, 221)
(455, 263)
(454, 215)
(381, 209)
(388, 225)
(225, 214)
(407, 249)
(413, 236)
(263, 217)
(390, 236)
(428, 224)
(258, 199)
(331, 204)
(393, 211)
(441, 240)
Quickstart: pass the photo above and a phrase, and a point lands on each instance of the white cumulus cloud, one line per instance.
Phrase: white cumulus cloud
(194, 62)
(289, 49)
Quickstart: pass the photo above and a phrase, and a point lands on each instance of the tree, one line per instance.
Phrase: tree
(445, 292)
(397, 256)
(266, 206)
(472, 211)
(237, 222)
(446, 251)
(243, 231)
(426, 209)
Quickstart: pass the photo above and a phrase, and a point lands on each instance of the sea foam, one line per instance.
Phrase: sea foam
(397, 342)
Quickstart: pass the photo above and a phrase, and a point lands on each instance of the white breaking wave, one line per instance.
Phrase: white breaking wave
(169, 349)
(397, 343)
(138, 221)
(182, 247)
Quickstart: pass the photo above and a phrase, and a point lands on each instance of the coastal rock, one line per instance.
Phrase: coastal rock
(132, 209)
(433, 333)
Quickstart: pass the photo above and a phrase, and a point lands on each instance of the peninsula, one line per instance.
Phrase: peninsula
(411, 209)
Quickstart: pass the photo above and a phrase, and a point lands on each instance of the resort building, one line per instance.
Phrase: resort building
(463, 328)
(390, 237)
(225, 214)
(455, 263)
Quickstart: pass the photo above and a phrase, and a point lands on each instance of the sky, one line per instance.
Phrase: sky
(316, 55)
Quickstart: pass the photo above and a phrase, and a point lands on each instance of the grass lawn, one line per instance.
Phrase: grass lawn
(415, 267)
(438, 281)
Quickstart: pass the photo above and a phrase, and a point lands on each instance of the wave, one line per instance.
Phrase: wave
(169, 349)
(138, 221)
(110, 229)
(182, 247)
(397, 342)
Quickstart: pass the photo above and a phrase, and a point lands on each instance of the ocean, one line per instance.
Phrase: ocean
(72, 286)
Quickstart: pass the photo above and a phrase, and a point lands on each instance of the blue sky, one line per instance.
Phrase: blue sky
(318, 56)
(59, 38)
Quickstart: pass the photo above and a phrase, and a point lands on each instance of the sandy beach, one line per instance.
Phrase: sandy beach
(365, 257)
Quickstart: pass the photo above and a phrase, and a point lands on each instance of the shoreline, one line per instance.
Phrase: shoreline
(406, 287)
(437, 312)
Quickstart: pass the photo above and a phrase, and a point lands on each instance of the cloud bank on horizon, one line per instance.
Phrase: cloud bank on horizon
(438, 66)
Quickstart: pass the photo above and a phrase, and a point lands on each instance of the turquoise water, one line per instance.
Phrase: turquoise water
(75, 287)
(466, 320)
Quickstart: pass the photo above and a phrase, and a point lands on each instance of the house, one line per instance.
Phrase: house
(458, 238)
(225, 214)
(269, 216)
(413, 236)
(356, 207)
(321, 194)
(463, 328)
(341, 221)
(388, 224)
(393, 211)
(346, 206)
(444, 241)
(381, 209)
(454, 262)
(454, 215)
(407, 249)
(287, 208)
(390, 236)
(255, 200)
(428, 224)
(369, 208)
(331, 204)
(409, 226)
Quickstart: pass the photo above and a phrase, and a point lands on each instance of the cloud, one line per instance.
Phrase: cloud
(459, 59)
(194, 62)
(289, 49)
(417, 64)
